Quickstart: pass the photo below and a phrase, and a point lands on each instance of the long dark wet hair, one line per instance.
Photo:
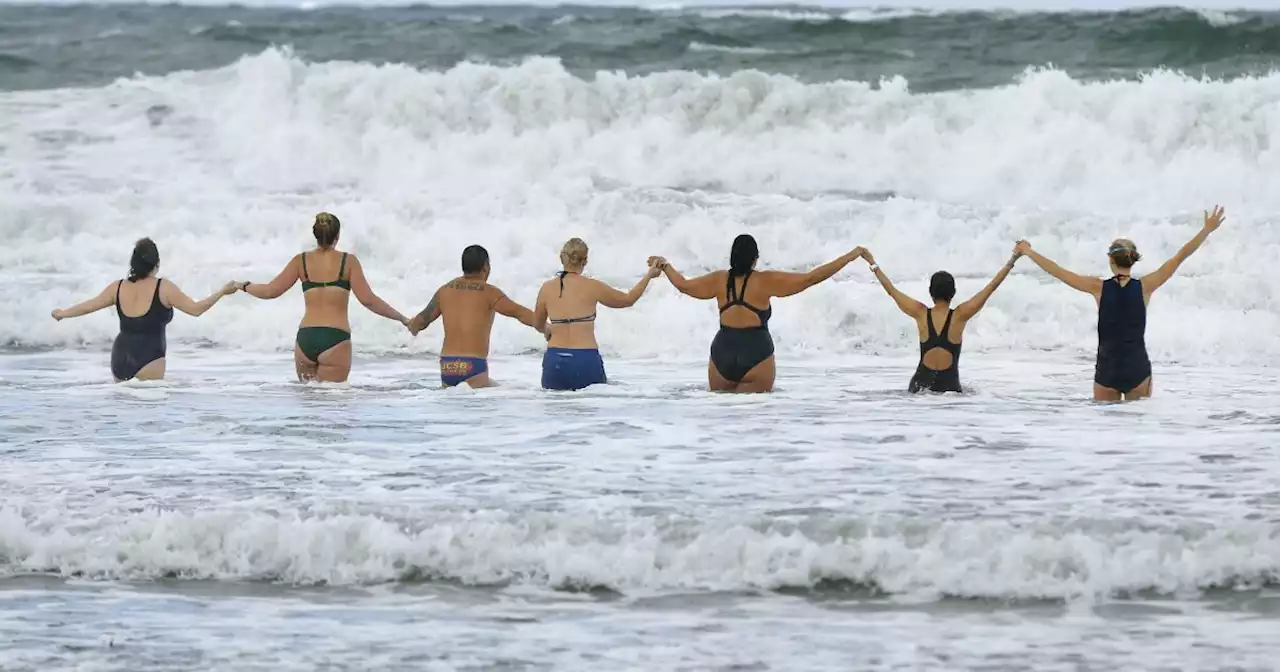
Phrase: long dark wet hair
(743, 255)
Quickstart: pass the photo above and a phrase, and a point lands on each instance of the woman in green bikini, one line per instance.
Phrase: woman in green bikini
(323, 349)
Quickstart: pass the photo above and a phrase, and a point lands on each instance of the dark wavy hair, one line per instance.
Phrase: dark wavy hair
(144, 260)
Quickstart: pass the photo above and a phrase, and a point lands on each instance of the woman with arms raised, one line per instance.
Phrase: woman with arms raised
(939, 367)
(742, 352)
(566, 312)
(144, 304)
(1123, 369)
(322, 350)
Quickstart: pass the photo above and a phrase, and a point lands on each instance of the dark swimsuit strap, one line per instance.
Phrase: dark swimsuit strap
(570, 320)
(562, 274)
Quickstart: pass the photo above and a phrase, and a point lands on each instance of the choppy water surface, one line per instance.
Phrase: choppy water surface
(230, 519)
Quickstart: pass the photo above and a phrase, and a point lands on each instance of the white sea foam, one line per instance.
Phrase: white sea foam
(991, 559)
(419, 164)
(703, 46)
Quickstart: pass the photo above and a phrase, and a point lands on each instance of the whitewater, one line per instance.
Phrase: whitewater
(231, 518)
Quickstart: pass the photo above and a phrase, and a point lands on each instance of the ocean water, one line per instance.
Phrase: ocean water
(230, 518)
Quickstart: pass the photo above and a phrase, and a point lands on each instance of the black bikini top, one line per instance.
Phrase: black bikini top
(570, 320)
(738, 298)
(344, 283)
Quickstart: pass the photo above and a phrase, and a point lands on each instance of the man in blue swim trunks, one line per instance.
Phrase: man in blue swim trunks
(467, 304)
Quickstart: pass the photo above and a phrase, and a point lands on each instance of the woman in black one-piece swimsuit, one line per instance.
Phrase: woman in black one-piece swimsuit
(1123, 369)
(139, 349)
(939, 366)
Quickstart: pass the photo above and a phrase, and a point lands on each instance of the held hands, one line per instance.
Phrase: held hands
(1023, 247)
(656, 266)
(1215, 219)
(230, 288)
(866, 254)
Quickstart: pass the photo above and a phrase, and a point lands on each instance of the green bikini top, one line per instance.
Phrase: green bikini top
(340, 282)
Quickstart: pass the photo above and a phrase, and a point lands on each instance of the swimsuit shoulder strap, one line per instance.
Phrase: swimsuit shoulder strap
(946, 326)
(305, 276)
(928, 319)
(562, 274)
(342, 267)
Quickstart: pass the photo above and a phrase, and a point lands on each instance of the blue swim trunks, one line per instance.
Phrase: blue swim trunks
(572, 368)
(456, 370)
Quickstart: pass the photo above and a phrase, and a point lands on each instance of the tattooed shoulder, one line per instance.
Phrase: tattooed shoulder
(466, 285)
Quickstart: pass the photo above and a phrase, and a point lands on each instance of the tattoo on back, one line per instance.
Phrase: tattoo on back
(466, 285)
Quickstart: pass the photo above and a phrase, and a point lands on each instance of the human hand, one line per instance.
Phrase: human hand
(656, 265)
(1213, 220)
(57, 314)
(230, 288)
(1022, 247)
(866, 254)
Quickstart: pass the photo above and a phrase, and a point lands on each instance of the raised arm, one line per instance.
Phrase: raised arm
(782, 283)
(107, 297)
(612, 298)
(702, 287)
(1153, 280)
(905, 303)
(971, 307)
(173, 295)
(364, 294)
(281, 284)
(428, 315)
(1087, 285)
(505, 306)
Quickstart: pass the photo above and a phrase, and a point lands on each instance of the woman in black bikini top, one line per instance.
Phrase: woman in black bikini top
(742, 357)
(140, 347)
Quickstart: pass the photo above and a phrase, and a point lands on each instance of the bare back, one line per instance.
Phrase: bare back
(326, 288)
(939, 359)
(135, 297)
(571, 302)
(757, 294)
(467, 307)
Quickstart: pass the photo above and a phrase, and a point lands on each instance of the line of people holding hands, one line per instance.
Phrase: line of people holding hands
(742, 352)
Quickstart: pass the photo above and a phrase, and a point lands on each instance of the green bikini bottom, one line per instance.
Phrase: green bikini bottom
(313, 341)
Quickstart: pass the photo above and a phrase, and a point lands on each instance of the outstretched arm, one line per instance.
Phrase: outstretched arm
(702, 287)
(1152, 281)
(971, 307)
(364, 293)
(428, 315)
(281, 284)
(1087, 285)
(173, 295)
(107, 297)
(612, 298)
(905, 303)
(782, 283)
(504, 306)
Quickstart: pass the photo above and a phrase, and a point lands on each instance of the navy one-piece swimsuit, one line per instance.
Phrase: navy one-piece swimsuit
(1122, 348)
